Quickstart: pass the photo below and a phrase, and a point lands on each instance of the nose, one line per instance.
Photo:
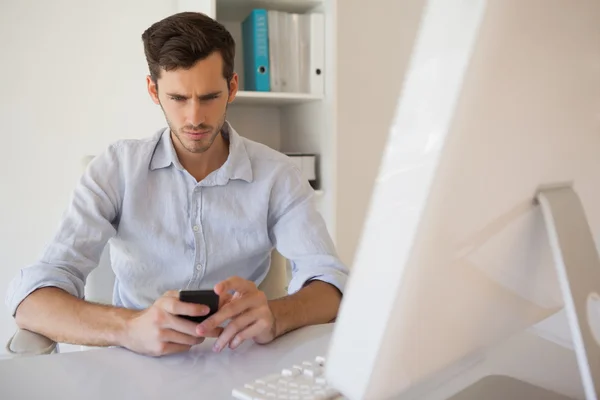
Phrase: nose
(195, 113)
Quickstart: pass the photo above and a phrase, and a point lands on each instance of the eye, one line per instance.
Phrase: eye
(177, 98)
(210, 98)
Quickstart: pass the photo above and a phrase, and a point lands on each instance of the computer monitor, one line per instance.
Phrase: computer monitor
(500, 100)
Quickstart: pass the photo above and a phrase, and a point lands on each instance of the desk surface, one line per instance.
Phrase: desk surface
(201, 374)
(116, 373)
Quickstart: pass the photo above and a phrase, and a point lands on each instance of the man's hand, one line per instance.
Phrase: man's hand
(248, 310)
(158, 330)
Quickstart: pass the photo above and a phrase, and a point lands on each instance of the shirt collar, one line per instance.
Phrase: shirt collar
(164, 153)
(237, 165)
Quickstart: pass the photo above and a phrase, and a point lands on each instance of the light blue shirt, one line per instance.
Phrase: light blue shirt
(167, 231)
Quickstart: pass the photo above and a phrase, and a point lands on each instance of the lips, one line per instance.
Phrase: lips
(197, 135)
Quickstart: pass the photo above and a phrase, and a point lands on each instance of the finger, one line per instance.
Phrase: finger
(182, 325)
(173, 348)
(216, 332)
(176, 307)
(230, 310)
(236, 284)
(172, 293)
(236, 325)
(250, 332)
(172, 336)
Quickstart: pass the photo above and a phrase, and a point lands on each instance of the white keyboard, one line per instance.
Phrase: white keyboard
(305, 381)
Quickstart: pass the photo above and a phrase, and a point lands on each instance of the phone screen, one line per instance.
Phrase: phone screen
(206, 297)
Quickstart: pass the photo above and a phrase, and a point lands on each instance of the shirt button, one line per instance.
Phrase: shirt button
(196, 228)
(199, 267)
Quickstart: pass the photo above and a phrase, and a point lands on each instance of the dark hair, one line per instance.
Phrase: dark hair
(181, 40)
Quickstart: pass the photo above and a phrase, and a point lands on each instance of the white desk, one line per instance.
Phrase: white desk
(120, 374)
(200, 374)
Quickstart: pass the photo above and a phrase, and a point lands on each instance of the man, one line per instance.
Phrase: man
(196, 206)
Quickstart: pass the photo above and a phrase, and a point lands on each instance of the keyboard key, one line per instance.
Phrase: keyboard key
(320, 381)
(243, 394)
(261, 391)
(282, 397)
(267, 379)
(298, 369)
(320, 360)
(290, 372)
(271, 395)
(313, 372)
(271, 386)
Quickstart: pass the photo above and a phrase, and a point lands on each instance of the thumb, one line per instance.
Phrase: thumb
(171, 293)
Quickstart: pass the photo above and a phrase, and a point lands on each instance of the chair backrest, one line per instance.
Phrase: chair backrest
(276, 282)
(101, 281)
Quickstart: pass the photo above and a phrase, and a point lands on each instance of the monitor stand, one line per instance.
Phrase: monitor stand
(500, 387)
(578, 269)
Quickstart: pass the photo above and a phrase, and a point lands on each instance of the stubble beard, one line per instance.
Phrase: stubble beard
(197, 146)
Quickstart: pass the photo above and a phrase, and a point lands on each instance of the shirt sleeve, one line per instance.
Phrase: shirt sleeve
(299, 233)
(87, 224)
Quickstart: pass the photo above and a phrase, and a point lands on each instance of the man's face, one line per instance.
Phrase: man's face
(194, 102)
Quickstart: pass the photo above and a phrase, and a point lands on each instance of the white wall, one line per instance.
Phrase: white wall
(72, 81)
(374, 45)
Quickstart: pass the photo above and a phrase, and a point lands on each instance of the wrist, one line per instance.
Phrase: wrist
(285, 316)
(122, 329)
(275, 326)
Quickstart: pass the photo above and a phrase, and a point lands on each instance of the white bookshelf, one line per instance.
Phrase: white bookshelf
(273, 99)
(239, 9)
(288, 122)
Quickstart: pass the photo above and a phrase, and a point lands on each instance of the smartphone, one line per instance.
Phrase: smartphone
(206, 297)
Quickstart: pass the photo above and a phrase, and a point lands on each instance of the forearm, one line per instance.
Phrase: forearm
(316, 303)
(64, 318)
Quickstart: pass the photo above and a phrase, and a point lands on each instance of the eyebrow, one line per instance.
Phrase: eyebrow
(206, 96)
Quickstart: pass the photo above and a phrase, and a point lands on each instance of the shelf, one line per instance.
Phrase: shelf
(237, 10)
(273, 98)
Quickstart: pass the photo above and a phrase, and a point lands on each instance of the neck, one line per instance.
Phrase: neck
(200, 165)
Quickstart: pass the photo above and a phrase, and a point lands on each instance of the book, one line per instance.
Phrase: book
(255, 42)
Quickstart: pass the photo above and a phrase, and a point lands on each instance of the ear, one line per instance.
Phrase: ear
(152, 89)
(233, 87)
